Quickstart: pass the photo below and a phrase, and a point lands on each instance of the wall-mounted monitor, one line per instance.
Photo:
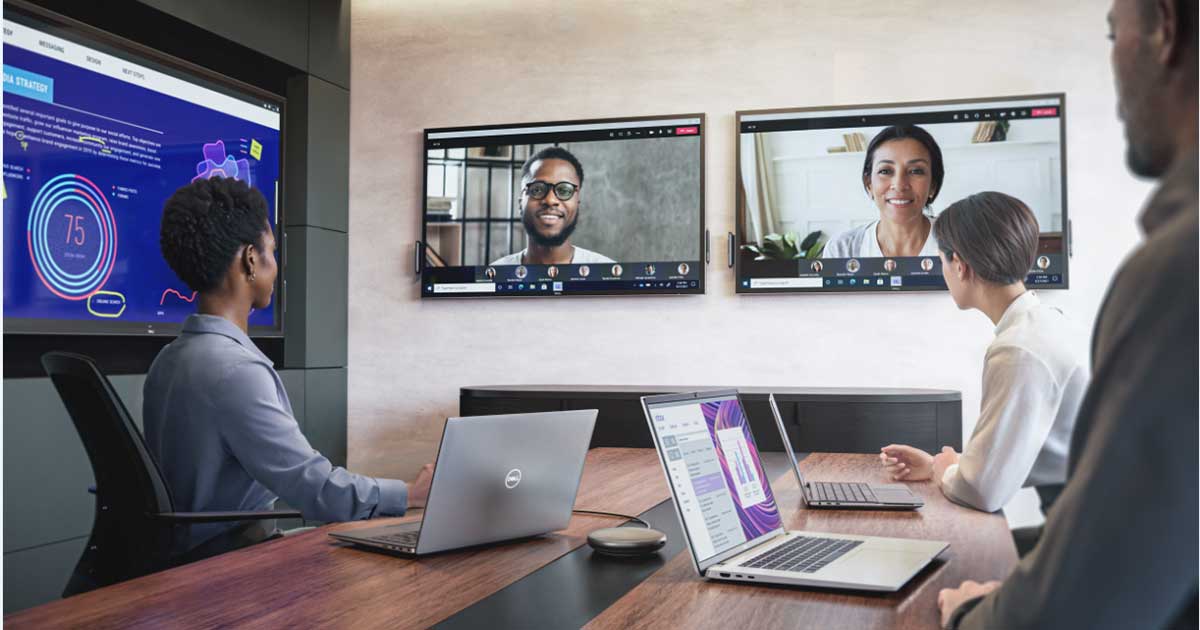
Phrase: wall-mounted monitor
(98, 133)
(596, 207)
(819, 211)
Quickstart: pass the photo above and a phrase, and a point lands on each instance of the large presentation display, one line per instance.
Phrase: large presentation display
(96, 138)
(819, 190)
(599, 207)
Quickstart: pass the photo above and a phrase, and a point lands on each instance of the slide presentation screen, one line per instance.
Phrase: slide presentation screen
(806, 221)
(609, 207)
(96, 138)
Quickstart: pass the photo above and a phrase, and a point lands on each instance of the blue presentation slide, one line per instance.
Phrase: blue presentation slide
(94, 144)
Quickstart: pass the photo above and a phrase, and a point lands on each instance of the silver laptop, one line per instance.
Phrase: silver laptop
(730, 519)
(496, 478)
(846, 495)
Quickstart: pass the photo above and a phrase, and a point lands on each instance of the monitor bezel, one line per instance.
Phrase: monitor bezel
(80, 33)
(702, 253)
(740, 209)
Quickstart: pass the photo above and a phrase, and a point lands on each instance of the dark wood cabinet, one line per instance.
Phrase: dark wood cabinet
(837, 420)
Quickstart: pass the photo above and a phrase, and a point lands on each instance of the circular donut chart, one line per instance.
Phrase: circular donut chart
(77, 266)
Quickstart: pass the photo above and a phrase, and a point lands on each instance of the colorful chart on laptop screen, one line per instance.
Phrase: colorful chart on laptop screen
(715, 471)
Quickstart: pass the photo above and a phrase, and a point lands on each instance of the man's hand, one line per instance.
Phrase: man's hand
(905, 463)
(942, 461)
(949, 599)
(418, 491)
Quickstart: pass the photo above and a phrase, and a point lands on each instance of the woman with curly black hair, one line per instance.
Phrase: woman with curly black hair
(217, 417)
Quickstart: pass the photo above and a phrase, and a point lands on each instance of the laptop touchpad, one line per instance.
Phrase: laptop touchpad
(893, 494)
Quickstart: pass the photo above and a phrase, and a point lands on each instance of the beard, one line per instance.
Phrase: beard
(1141, 160)
(528, 219)
(1141, 110)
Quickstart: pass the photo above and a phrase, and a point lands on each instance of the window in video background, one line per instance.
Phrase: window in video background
(640, 200)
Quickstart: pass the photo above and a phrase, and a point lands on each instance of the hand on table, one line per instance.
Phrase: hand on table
(950, 599)
(418, 491)
(947, 458)
(906, 463)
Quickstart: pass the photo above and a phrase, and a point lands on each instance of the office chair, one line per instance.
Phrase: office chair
(1026, 538)
(135, 524)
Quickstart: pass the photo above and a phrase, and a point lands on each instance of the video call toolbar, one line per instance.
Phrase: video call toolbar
(518, 280)
(834, 119)
(556, 287)
(921, 273)
(557, 134)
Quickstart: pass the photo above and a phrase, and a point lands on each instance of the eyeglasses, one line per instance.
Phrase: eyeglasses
(538, 189)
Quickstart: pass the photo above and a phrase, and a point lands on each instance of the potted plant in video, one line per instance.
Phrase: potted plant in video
(1000, 134)
(788, 246)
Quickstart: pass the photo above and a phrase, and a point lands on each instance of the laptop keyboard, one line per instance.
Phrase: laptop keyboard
(405, 539)
(803, 554)
(842, 492)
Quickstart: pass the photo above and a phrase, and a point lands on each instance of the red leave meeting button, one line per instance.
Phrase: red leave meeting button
(1044, 111)
(687, 131)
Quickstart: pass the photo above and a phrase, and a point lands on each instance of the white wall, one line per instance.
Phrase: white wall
(433, 63)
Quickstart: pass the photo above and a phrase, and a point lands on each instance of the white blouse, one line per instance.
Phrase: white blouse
(863, 242)
(1032, 388)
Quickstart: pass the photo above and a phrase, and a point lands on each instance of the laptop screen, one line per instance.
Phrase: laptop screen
(715, 472)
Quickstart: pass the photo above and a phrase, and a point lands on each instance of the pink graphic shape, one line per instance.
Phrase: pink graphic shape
(181, 296)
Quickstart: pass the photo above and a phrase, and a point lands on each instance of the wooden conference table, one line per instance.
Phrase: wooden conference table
(308, 580)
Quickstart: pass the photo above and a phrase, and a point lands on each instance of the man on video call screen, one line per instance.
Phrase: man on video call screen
(602, 207)
(551, 193)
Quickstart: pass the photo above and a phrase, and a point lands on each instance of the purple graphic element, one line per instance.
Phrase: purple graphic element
(757, 519)
(708, 483)
(217, 164)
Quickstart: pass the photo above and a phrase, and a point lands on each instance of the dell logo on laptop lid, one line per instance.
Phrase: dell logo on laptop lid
(512, 478)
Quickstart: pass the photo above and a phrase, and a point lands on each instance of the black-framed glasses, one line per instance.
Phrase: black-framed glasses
(538, 189)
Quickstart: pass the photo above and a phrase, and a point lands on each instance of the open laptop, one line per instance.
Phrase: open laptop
(851, 495)
(730, 519)
(496, 478)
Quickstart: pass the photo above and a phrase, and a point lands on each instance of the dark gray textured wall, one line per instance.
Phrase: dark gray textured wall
(244, 22)
(641, 198)
(641, 201)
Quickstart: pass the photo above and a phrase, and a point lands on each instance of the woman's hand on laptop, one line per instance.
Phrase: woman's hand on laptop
(418, 491)
(906, 463)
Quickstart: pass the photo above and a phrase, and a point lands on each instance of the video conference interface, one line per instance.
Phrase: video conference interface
(606, 207)
(810, 221)
(94, 143)
(715, 473)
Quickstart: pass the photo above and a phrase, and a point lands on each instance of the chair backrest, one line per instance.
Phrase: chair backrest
(125, 541)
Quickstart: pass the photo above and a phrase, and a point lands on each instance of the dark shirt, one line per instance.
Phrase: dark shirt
(1119, 548)
(220, 425)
